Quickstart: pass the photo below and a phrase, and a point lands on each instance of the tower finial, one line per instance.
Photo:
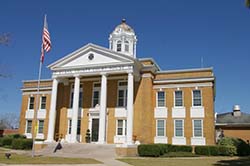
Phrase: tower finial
(123, 20)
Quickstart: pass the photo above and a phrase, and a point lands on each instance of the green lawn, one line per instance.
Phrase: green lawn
(194, 161)
(25, 159)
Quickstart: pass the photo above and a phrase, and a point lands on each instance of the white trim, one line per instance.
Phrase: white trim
(184, 80)
(178, 112)
(183, 132)
(93, 90)
(182, 98)
(34, 93)
(124, 122)
(161, 112)
(208, 84)
(28, 135)
(125, 88)
(35, 88)
(147, 75)
(156, 132)
(157, 106)
(196, 89)
(202, 134)
(186, 70)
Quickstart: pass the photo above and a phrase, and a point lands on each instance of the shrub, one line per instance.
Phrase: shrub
(150, 150)
(163, 148)
(7, 141)
(215, 150)
(1, 141)
(242, 148)
(180, 154)
(22, 144)
(180, 148)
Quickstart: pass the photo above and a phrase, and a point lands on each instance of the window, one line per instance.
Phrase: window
(196, 98)
(96, 94)
(178, 98)
(40, 126)
(122, 94)
(72, 97)
(43, 102)
(160, 127)
(121, 127)
(31, 103)
(28, 126)
(178, 128)
(126, 46)
(69, 126)
(119, 46)
(161, 99)
(79, 127)
(197, 128)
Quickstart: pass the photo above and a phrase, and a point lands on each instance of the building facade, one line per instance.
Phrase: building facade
(233, 124)
(121, 99)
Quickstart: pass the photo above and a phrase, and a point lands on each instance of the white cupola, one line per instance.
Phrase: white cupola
(123, 39)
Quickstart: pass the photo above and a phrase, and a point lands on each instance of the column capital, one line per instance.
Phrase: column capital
(104, 74)
(130, 72)
(77, 75)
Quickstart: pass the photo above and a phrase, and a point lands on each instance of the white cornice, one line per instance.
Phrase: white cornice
(208, 84)
(35, 88)
(43, 80)
(185, 70)
(35, 92)
(150, 59)
(184, 80)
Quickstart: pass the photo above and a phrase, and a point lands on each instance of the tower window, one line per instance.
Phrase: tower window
(119, 46)
(126, 46)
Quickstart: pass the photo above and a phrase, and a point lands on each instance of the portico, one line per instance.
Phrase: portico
(127, 67)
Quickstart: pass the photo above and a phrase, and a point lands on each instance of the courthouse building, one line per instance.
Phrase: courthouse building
(120, 98)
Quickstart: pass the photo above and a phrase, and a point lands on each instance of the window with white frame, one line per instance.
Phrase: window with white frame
(96, 94)
(31, 102)
(126, 46)
(78, 127)
(122, 94)
(179, 127)
(119, 46)
(160, 124)
(160, 99)
(196, 98)
(197, 128)
(69, 125)
(121, 127)
(72, 96)
(28, 126)
(43, 102)
(40, 126)
(178, 98)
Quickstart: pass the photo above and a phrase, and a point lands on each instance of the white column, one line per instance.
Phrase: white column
(52, 112)
(135, 50)
(75, 110)
(103, 108)
(130, 108)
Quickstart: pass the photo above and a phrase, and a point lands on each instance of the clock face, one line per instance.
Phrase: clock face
(91, 56)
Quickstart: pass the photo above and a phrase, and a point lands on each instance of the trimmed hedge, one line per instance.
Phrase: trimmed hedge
(215, 150)
(179, 148)
(6, 141)
(22, 144)
(150, 150)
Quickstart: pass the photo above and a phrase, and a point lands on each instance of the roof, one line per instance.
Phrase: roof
(123, 27)
(229, 119)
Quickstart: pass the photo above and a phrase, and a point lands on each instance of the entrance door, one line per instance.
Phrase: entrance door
(95, 130)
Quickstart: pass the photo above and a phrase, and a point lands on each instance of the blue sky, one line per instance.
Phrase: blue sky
(176, 33)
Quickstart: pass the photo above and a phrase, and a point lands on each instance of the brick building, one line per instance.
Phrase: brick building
(120, 98)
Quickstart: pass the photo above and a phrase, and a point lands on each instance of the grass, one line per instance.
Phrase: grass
(179, 154)
(25, 159)
(194, 161)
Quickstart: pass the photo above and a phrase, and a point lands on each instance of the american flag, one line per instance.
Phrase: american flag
(46, 45)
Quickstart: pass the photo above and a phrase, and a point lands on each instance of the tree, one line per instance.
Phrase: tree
(5, 38)
(248, 3)
(9, 121)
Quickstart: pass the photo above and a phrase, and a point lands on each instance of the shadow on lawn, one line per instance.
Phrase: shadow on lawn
(244, 161)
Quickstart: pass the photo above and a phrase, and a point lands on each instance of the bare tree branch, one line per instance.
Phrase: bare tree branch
(5, 38)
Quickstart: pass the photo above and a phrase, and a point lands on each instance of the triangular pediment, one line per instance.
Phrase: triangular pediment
(91, 56)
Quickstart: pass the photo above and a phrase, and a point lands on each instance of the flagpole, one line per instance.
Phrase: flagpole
(37, 106)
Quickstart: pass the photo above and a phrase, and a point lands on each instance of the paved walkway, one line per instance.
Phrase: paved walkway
(103, 153)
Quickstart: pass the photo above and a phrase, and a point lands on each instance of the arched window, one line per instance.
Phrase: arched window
(119, 46)
(126, 46)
